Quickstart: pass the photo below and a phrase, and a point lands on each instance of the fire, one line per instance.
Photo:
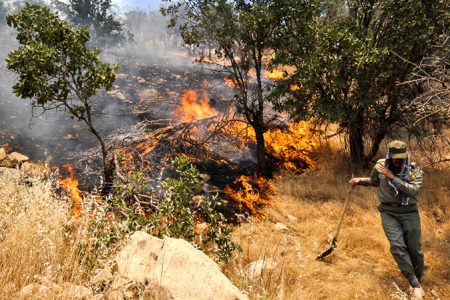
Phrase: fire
(254, 193)
(292, 146)
(71, 185)
(293, 87)
(191, 108)
(181, 54)
(230, 82)
(275, 75)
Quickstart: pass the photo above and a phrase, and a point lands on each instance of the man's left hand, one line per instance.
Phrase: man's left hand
(386, 172)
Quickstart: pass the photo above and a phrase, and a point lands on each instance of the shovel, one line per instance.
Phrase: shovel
(334, 241)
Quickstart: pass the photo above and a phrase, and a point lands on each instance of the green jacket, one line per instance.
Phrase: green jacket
(386, 193)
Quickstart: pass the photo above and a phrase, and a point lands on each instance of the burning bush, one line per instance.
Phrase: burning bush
(251, 193)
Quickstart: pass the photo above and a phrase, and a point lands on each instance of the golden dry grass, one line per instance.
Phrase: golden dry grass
(33, 243)
(361, 267)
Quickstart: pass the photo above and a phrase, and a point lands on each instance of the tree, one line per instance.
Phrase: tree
(57, 70)
(3, 12)
(242, 33)
(350, 73)
(98, 17)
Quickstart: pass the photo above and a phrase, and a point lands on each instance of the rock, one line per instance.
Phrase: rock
(72, 291)
(35, 170)
(149, 95)
(16, 157)
(37, 291)
(292, 219)
(174, 268)
(280, 227)
(102, 277)
(2, 154)
(121, 75)
(255, 269)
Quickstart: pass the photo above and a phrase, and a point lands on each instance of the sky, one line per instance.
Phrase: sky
(142, 4)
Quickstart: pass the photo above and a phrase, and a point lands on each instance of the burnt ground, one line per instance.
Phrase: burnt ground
(146, 89)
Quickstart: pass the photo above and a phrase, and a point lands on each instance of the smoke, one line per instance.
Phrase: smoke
(154, 71)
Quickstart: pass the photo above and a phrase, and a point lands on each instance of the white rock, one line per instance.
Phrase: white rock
(72, 291)
(292, 219)
(17, 157)
(174, 268)
(280, 227)
(255, 269)
(2, 154)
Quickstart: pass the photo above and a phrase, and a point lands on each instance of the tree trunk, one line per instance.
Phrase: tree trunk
(263, 164)
(356, 141)
(108, 166)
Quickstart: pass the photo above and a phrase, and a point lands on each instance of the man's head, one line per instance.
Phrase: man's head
(397, 152)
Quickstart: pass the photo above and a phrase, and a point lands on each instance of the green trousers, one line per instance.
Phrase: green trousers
(402, 228)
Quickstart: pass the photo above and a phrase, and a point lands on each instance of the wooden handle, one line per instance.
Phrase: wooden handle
(343, 213)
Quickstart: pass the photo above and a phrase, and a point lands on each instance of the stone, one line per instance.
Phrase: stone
(35, 170)
(17, 157)
(174, 268)
(149, 95)
(292, 219)
(37, 291)
(73, 291)
(2, 154)
(255, 269)
(280, 227)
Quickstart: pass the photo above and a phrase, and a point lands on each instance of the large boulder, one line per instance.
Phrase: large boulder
(2, 154)
(174, 269)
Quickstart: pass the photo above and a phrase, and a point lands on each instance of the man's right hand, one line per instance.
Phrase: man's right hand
(354, 181)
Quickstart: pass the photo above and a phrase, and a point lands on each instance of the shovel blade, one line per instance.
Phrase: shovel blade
(325, 253)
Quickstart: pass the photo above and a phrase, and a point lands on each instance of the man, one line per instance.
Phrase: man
(399, 181)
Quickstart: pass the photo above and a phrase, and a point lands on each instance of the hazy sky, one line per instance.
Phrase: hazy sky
(143, 4)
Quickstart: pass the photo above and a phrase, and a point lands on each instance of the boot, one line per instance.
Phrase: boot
(418, 293)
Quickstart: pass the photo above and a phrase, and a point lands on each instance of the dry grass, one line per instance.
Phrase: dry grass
(34, 244)
(361, 267)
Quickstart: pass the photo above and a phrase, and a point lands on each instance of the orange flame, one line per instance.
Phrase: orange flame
(256, 192)
(230, 82)
(275, 75)
(71, 186)
(191, 108)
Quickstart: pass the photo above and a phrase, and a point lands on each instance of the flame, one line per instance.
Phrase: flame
(254, 192)
(71, 186)
(230, 82)
(294, 87)
(275, 75)
(181, 54)
(191, 108)
(292, 146)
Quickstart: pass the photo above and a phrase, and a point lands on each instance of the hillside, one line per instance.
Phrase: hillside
(37, 243)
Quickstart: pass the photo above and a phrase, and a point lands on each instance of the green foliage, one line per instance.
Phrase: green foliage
(97, 15)
(56, 69)
(244, 34)
(54, 63)
(178, 213)
(175, 216)
(351, 61)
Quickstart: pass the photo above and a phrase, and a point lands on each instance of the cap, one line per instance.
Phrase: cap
(397, 149)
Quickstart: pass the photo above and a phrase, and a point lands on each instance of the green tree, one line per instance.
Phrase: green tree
(242, 33)
(57, 70)
(98, 17)
(350, 72)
